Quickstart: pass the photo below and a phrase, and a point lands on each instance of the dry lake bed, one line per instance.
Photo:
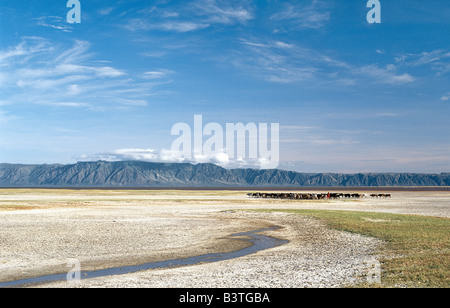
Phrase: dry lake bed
(47, 232)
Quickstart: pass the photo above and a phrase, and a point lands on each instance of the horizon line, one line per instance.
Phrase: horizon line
(231, 168)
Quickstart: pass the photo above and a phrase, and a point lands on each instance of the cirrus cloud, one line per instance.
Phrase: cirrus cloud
(41, 72)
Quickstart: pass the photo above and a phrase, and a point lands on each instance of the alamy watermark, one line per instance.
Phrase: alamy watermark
(74, 275)
(74, 15)
(374, 274)
(374, 15)
(237, 141)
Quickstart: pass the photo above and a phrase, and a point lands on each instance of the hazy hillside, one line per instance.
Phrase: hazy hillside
(145, 174)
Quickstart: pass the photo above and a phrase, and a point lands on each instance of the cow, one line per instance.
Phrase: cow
(334, 196)
(385, 195)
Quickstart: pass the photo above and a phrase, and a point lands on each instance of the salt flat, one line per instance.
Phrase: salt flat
(41, 229)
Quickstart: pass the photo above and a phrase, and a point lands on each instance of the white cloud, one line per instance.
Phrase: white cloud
(437, 60)
(106, 11)
(140, 24)
(69, 104)
(159, 74)
(313, 16)
(74, 89)
(135, 154)
(107, 71)
(170, 156)
(280, 62)
(179, 26)
(430, 57)
(384, 75)
(36, 71)
(54, 22)
(286, 62)
(24, 51)
(223, 12)
(283, 45)
(17, 51)
(191, 16)
(220, 159)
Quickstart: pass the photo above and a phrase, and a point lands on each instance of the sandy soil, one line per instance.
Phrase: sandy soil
(41, 229)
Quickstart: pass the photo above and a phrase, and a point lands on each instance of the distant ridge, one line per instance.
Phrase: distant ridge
(147, 174)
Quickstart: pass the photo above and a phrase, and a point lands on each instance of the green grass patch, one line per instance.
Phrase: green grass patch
(417, 250)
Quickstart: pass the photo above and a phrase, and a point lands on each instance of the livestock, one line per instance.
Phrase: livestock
(315, 196)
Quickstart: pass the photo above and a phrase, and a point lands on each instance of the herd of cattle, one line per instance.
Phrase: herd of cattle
(315, 196)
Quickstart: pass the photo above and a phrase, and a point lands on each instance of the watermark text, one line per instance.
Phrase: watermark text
(238, 141)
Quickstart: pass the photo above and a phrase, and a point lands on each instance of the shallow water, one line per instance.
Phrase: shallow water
(259, 242)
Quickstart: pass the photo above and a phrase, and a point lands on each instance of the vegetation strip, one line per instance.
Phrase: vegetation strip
(417, 248)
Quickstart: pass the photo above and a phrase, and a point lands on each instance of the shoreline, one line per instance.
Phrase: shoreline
(284, 188)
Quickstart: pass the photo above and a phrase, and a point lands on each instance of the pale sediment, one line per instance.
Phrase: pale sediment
(315, 257)
(109, 229)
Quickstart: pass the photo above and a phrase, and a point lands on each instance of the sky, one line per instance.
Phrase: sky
(349, 96)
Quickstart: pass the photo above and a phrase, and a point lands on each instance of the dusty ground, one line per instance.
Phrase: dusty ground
(41, 229)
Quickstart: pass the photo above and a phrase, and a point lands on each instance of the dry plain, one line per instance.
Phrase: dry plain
(40, 230)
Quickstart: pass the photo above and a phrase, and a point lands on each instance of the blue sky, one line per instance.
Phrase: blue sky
(349, 96)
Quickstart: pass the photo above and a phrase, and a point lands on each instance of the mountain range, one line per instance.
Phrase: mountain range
(147, 174)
